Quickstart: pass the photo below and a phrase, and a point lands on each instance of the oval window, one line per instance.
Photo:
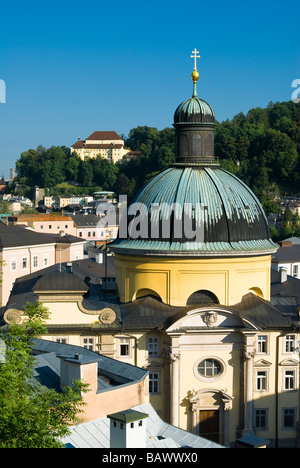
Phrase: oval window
(209, 368)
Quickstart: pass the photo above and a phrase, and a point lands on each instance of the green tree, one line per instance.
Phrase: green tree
(4, 207)
(31, 415)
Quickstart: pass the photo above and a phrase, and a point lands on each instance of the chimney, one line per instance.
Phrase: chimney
(99, 257)
(78, 367)
(283, 275)
(128, 429)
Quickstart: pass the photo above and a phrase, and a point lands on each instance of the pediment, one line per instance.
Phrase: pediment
(289, 362)
(207, 318)
(262, 363)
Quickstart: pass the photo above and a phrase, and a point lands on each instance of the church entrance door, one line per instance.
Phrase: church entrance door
(209, 424)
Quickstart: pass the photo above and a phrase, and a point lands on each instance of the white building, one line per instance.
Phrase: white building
(107, 144)
(287, 257)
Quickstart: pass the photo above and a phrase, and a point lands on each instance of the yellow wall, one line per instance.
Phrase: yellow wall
(174, 280)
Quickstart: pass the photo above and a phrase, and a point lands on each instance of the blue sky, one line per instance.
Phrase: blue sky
(71, 68)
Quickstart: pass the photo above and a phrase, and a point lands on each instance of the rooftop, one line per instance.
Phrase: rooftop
(159, 434)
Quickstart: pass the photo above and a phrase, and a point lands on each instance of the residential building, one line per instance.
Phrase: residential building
(95, 229)
(287, 257)
(23, 251)
(48, 224)
(117, 411)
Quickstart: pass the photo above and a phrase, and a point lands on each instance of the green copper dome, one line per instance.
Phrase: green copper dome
(232, 218)
(194, 111)
(194, 208)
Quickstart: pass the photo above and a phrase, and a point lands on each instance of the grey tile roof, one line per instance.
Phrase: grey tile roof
(115, 373)
(88, 220)
(159, 434)
(148, 313)
(261, 312)
(288, 254)
(17, 236)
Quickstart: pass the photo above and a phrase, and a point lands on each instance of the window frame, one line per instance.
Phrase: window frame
(46, 257)
(25, 258)
(87, 345)
(262, 345)
(291, 427)
(124, 341)
(263, 427)
(288, 379)
(212, 378)
(35, 257)
(289, 343)
(156, 346)
(263, 378)
(13, 261)
(154, 382)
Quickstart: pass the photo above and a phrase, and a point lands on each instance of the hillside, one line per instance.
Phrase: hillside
(262, 148)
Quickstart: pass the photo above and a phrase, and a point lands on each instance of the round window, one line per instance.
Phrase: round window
(209, 368)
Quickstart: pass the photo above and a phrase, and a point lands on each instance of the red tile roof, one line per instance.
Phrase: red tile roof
(104, 136)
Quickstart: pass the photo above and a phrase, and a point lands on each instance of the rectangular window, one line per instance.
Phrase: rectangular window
(261, 380)
(124, 347)
(50, 226)
(153, 382)
(262, 344)
(45, 260)
(88, 343)
(80, 234)
(290, 341)
(153, 349)
(24, 263)
(295, 271)
(289, 418)
(289, 380)
(13, 264)
(61, 340)
(261, 418)
(35, 261)
(41, 227)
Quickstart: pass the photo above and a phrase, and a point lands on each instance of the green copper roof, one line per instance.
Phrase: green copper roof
(128, 416)
(233, 220)
(194, 111)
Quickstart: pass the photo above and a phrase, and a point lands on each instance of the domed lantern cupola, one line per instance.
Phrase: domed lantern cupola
(194, 122)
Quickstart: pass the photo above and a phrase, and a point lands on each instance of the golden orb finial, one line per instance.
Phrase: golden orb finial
(195, 75)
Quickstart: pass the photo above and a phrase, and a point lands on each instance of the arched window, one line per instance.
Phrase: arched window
(257, 291)
(183, 146)
(146, 292)
(209, 147)
(197, 145)
(202, 297)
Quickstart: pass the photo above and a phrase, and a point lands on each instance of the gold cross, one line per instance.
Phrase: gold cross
(195, 56)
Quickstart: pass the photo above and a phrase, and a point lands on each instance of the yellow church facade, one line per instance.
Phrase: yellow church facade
(222, 372)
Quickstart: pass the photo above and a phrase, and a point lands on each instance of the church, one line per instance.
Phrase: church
(198, 307)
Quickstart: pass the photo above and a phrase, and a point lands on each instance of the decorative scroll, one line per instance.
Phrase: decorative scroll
(105, 315)
(12, 316)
